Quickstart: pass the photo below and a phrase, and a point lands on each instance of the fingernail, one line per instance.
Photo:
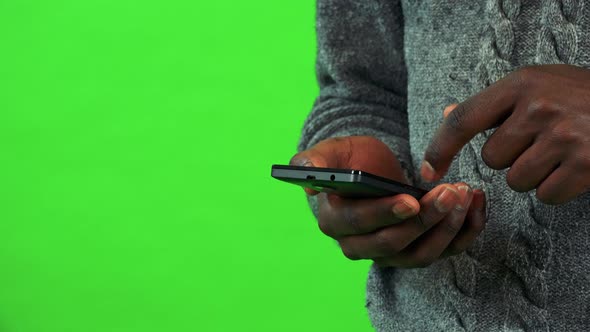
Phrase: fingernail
(304, 163)
(467, 197)
(444, 201)
(427, 172)
(403, 210)
(449, 109)
(301, 161)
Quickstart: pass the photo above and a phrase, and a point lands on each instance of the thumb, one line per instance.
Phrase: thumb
(326, 153)
(308, 158)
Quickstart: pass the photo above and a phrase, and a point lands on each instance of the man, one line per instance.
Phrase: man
(517, 145)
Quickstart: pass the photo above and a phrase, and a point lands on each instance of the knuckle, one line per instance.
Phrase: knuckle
(422, 225)
(489, 157)
(453, 226)
(565, 134)
(433, 153)
(352, 220)
(545, 197)
(349, 253)
(524, 76)
(540, 107)
(455, 119)
(325, 227)
(386, 243)
(514, 180)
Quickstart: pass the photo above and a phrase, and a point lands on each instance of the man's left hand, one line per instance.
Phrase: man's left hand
(543, 135)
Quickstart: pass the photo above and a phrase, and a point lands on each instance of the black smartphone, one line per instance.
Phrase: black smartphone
(343, 182)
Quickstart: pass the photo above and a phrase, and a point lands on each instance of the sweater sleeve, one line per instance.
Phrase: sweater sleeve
(361, 73)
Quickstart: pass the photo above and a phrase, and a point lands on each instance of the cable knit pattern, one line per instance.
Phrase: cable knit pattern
(497, 46)
(498, 41)
(496, 49)
(387, 68)
(527, 258)
(558, 37)
(524, 271)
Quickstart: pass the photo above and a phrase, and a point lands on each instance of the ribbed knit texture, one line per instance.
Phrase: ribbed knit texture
(387, 68)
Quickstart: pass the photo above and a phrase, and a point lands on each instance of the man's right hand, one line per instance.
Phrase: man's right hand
(398, 230)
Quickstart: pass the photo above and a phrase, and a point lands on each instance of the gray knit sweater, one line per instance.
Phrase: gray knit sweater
(387, 68)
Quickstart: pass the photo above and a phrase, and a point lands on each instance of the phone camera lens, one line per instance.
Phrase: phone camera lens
(332, 177)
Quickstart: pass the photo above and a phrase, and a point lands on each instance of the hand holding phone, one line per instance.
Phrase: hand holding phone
(395, 230)
(343, 182)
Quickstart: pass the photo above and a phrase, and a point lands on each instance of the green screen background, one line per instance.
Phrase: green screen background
(136, 139)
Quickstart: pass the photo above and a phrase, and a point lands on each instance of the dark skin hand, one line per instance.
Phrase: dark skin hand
(543, 135)
(398, 230)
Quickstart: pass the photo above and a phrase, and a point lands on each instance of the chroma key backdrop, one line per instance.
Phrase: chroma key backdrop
(136, 140)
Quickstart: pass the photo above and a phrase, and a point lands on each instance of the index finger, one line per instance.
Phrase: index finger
(478, 113)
